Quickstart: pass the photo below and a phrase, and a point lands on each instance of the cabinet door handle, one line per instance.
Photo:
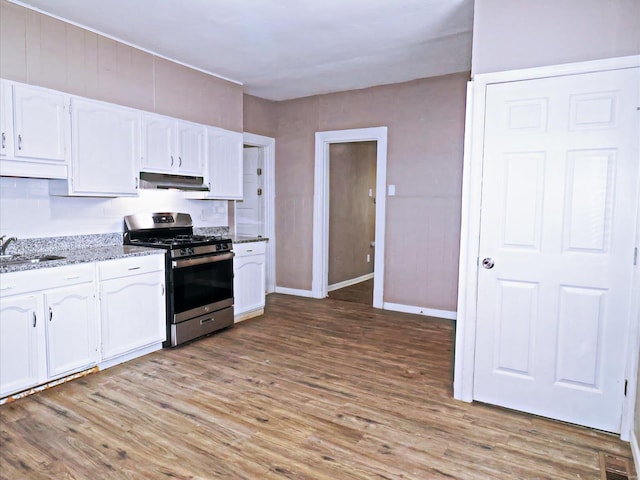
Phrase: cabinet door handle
(35, 319)
(50, 314)
(19, 142)
(136, 179)
(4, 138)
(172, 160)
(179, 161)
(162, 290)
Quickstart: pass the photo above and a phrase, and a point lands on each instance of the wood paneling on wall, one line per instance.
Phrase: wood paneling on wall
(425, 145)
(44, 51)
(352, 172)
(509, 35)
(259, 116)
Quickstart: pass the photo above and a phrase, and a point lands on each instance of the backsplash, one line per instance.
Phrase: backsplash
(28, 211)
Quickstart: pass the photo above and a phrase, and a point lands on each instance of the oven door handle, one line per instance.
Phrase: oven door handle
(191, 262)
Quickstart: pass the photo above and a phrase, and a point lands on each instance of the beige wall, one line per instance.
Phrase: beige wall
(259, 116)
(425, 119)
(512, 34)
(40, 50)
(352, 173)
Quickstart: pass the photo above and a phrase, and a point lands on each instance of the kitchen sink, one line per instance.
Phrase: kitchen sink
(16, 260)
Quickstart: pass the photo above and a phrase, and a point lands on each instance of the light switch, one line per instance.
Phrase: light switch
(391, 190)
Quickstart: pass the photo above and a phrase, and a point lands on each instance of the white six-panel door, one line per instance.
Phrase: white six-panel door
(559, 202)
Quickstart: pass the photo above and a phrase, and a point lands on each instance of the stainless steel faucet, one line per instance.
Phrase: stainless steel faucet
(5, 243)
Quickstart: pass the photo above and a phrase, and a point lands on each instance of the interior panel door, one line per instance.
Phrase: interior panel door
(559, 203)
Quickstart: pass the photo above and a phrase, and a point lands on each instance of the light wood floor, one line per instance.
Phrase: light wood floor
(314, 389)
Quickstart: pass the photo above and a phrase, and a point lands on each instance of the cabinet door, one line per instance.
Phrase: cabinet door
(132, 313)
(105, 149)
(6, 120)
(224, 160)
(21, 343)
(39, 123)
(72, 331)
(190, 148)
(158, 144)
(248, 283)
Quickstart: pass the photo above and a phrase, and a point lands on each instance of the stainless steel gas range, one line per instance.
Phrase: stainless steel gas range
(199, 273)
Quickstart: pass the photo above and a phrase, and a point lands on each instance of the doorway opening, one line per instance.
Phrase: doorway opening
(255, 214)
(352, 182)
(321, 208)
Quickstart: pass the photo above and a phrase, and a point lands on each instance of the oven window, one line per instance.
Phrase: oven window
(200, 285)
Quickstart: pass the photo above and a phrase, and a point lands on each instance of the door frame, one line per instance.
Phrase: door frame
(268, 146)
(470, 229)
(320, 276)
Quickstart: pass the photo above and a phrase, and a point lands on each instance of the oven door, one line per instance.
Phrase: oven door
(201, 285)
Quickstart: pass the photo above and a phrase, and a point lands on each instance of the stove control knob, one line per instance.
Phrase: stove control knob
(218, 246)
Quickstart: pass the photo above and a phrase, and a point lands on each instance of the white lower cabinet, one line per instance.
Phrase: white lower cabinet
(248, 280)
(72, 329)
(51, 325)
(22, 347)
(132, 304)
(48, 326)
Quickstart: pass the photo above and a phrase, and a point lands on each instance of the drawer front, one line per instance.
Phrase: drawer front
(34, 280)
(251, 248)
(130, 266)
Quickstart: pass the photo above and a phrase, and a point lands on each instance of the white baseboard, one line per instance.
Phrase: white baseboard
(112, 362)
(348, 283)
(250, 314)
(428, 312)
(635, 449)
(295, 291)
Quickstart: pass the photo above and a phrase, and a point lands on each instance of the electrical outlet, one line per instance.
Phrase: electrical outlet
(368, 258)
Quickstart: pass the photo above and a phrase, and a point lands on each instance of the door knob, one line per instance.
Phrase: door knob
(488, 263)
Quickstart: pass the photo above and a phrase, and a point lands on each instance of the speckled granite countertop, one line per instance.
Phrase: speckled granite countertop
(247, 239)
(75, 249)
(81, 255)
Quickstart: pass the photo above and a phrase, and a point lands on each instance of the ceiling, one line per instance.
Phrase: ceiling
(282, 49)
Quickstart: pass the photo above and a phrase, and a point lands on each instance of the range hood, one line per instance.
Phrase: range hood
(166, 181)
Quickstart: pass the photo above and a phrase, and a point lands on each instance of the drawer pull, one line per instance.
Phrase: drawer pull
(75, 277)
(7, 288)
(134, 268)
(249, 251)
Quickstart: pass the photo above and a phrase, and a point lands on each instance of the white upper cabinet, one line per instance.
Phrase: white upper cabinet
(158, 144)
(224, 164)
(172, 146)
(105, 149)
(35, 131)
(39, 123)
(191, 142)
(6, 120)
